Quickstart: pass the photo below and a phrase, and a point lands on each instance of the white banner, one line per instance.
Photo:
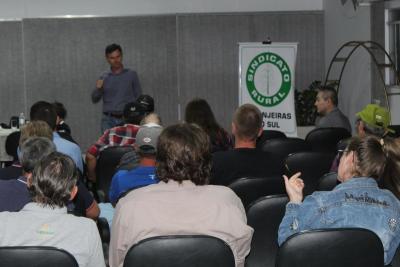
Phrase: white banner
(266, 79)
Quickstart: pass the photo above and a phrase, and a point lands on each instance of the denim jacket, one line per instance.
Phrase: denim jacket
(357, 203)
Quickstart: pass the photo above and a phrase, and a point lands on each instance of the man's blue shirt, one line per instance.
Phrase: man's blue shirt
(68, 148)
(124, 181)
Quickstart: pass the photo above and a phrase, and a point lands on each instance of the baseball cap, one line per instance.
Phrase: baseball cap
(132, 110)
(146, 102)
(147, 138)
(375, 116)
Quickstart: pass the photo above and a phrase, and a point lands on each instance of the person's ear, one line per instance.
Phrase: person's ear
(28, 176)
(234, 130)
(74, 191)
(260, 132)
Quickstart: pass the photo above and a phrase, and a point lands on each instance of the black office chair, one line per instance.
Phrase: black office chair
(106, 168)
(250, 189)
(312, 166)
(268, 135)
(351, 247)
(180, 251)
(327, 182)
(326, 139)
(265, 215)
(35, 256)
(282, 147)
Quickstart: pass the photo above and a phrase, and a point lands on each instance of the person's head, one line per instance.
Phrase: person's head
(114, 56)
(147, 139)
(363, 157)
(372, 120)
(198, 111)
(151, 118)
(33, 150)
(326, 100)
(247, 123)
(44, 111)
(147, 103)
(133, 113)
(60, 111)
(183, 154)
(53, 181)
(35, 129)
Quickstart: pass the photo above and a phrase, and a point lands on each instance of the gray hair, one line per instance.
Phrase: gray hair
(33, 150)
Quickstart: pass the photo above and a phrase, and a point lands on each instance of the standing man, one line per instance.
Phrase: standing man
(117, 87)
(329, 115)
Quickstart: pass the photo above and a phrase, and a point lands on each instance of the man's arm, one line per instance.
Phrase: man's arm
(91, 166)
(97, 93)
(137, 89)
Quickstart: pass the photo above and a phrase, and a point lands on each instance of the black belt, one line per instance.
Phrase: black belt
(114, 115)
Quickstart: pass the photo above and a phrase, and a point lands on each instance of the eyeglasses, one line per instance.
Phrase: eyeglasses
(341, 152)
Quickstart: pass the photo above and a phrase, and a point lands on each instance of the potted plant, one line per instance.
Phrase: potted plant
(305, 110)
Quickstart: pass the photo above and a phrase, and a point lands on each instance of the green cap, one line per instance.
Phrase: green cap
(375, 116)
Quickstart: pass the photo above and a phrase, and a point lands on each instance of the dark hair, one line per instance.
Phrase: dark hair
(329, 93)
(53, 180)
(113, 47)
(44, 111)
(391, 176)
(183, 154)
(33, 150)
(60, 110)
(248, 122)
(198, 111)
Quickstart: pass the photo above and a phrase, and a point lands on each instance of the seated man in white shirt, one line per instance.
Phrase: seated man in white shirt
(45, 222)
(182, 202)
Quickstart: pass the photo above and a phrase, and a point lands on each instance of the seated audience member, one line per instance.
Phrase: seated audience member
(146, 145)
(329, 114)
(199, 112)
(357, 202)
(130, 159)
(182, 202)
(116, 136)
(372, 120)
(45, 222)
(245, 160)
(147, 103)
(61, 127)
(44, 111)
(15, 193)
(31, 129)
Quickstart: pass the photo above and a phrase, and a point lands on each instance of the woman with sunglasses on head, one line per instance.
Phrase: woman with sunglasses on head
(358, 201)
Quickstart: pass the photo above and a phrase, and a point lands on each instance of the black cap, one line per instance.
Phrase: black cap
(133, 112)
(147, 103)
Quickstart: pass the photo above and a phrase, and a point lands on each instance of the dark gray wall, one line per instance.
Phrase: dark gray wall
(177, 57)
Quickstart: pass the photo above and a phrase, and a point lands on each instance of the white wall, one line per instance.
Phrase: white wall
(343, 24)
(15, 9)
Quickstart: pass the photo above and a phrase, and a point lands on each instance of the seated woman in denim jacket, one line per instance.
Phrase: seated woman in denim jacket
(357, 202)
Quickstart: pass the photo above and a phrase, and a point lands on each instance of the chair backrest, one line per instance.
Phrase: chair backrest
(327, 182)
(351, 247)
(180, 251)
(250, 189)
(265, 215)
(12, 143)
(268, 135)
(282, 147)
(106, 168)
(36, 256)
(326, 139)
(312, 166)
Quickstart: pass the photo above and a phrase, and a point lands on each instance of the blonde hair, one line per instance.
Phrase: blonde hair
(35, 129)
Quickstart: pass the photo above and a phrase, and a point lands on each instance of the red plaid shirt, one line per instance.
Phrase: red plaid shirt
(117, 136)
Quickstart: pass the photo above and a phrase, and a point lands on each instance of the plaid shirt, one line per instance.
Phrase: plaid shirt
(117, 136)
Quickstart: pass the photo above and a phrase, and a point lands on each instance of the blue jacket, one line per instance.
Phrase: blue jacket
(357, 203)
